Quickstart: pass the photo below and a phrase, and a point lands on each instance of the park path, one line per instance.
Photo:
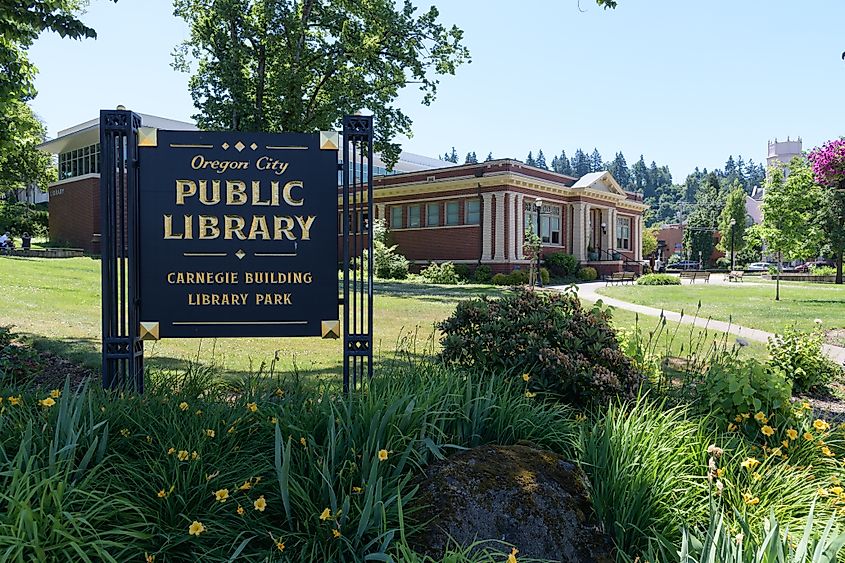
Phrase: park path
(589, 292)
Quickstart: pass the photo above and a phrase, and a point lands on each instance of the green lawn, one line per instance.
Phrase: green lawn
(747, 305)
(57, 303)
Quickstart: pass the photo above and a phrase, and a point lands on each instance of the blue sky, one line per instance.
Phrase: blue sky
(684, 83)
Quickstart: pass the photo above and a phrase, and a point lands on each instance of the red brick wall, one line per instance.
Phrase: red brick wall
(459, 243)
(75, 213)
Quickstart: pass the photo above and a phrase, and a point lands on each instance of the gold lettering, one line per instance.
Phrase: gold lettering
(235, 192)
(259, 227)
(288, 196)
(256, 194)
(278, 230)
(208, 227)
(305, 225)
(185, 188)
(215, 192)
(233, 225)
(168, 228)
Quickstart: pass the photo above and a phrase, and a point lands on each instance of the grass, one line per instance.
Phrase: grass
(748, 305)
(57, 303)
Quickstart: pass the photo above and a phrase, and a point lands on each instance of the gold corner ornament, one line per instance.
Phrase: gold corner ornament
(147, 137)
(148, 331)
(329, 140)
(331, 329)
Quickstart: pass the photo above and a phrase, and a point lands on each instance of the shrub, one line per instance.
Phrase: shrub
(658, 279)
(723, 263)
(482, 274)
(440, 273)
(463, 272)
(735, 390)
(588, 274)
(501, 279)
(800, 357)
(18, 363)
(544, 276)
(568, 351)
(823, 271)
(561, 264)
(387, 263)
(20, 218)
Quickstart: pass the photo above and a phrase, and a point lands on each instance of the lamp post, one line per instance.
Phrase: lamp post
(538, 204)
(733, 230)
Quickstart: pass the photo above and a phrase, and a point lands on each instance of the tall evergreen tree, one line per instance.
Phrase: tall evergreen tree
(619, 169)
(529, 160)
(541, 160)
(471, 158)
(580, 164)
(489, 157)
(563, 165)
(453, 156)
(639, 173)
(596, 164)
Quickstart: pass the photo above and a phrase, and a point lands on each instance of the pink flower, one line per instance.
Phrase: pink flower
(829, 163)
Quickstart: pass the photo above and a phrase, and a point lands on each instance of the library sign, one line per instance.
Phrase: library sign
(238, 234)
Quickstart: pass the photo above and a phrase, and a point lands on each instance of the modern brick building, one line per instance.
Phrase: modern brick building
(477, 214)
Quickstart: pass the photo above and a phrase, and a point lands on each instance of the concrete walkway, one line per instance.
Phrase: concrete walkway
(588, 291)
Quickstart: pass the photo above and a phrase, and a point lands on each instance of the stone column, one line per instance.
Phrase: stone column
(579, 231)
(380, 211)
(510, 244)
(637, 242)
(499, 217)
(487, 227)
(611, 230)
(519, 234)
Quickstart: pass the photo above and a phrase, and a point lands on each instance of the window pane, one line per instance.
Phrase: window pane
(453, 213)
(473, 212)
(396, 217)
(414, 216)
(432, 214)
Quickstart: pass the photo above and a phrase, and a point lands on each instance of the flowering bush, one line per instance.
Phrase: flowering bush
(829, 163)
(440, 273)
(562, 348)
(799, 356)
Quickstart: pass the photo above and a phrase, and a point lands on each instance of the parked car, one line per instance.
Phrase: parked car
(817, 263)
(684, 265)
(760, 266)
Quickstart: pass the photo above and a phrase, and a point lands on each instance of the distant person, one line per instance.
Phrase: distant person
(6, 242)
(658, 265)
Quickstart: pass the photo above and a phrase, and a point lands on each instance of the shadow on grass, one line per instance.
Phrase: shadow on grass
(87, 352)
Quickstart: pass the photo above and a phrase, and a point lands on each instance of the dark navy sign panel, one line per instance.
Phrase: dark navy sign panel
(238, 234)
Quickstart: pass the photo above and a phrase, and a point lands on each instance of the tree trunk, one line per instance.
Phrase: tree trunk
(236, 118)
(839, 267)
(259, 87)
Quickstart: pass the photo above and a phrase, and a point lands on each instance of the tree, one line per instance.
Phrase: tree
(619, 169)
(489, 157)
(563, 165)
(22, 163)
(788, 211)
(471, 158)
(580, 164)
(639, 174)
(733, 237)
(828, 162)
(649, 242)
(703, 221)
(451, 156)
(596, 164)
(300, 65)
(529, 160)
(541, 160)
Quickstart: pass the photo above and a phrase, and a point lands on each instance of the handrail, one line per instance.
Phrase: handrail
(616, 255)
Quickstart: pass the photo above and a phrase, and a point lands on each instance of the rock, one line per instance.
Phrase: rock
(530, 498)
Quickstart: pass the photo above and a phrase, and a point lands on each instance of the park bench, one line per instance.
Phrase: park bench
(619, 277)
(735, 276)
(695, 275)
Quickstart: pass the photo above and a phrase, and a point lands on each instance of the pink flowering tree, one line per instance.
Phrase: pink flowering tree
(828, 163)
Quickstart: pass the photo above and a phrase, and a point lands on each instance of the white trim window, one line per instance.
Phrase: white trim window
(550, 222)
(472, 215)
(414, 216)
(396, 219)
(453, 213)
(432, 215)
(623, 233)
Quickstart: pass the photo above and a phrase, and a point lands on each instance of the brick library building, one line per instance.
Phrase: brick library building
(436, 211)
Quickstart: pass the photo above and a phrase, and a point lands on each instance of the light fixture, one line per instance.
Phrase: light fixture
(733, 222)
(538, 203)
(604, 228)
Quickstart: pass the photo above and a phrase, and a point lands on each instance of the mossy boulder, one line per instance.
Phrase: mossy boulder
(532, 499)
